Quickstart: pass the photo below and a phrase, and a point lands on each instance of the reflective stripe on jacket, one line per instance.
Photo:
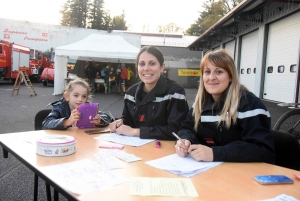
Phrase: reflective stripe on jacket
(249, 140)
(159, 113)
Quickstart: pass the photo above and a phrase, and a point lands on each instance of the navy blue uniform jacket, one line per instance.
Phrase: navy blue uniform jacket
(249, 140)
(159, 113)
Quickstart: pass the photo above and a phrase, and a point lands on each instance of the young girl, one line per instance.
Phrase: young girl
(65, 113)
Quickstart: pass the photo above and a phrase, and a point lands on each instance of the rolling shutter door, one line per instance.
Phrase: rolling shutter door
(229, 47)
(248, 60)
(282, 53)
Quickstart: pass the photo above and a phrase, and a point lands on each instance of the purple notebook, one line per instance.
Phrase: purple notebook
(87, 112)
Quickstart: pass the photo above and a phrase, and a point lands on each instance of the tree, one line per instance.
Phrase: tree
(107, 20)
(230, 4)
(119, 23)
(74, 13)
(97, 15)
(90, 14)
(48, 52)
(212, 12)
(169, 28)
(66, 19)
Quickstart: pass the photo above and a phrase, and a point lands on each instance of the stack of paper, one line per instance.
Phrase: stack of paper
(183, 166)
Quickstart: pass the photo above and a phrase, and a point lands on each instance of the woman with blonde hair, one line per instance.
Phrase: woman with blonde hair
(227, 122)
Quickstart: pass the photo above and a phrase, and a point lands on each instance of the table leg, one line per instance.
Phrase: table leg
(35, 186)
(55, 195)
(48, 192)
(5, 153)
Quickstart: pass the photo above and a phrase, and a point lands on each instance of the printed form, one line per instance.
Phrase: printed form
(146, 186)
(82, 176)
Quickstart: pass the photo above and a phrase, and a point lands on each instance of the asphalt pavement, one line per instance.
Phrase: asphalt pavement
(17, 115)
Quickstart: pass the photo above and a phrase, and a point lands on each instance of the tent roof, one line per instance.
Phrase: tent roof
(100, 47)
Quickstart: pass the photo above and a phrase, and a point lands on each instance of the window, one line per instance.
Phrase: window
(242, 71)
(248, 70)
(270, 69)
(254, 70)
(293, 68)
(0, 49)
(280, 69)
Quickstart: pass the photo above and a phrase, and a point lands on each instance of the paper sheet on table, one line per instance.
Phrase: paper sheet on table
(282, 197)
(82, 176)
(146, 186)
(30, 137)
(184, 166)
(123, 155)
(108, 161)
(122, 139)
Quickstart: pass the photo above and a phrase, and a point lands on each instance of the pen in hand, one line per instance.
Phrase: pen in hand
(179, 149)
(178, 137)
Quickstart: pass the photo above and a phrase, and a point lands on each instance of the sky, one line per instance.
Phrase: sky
(140, 15)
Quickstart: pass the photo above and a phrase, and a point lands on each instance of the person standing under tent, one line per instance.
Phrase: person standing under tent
(124, 78)
(112, 78)
(90, 73)
(105, 75)
(130, 75)
(118, 78)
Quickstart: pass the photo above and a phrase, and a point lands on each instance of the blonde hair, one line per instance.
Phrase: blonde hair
(222, 59)
(81, 82)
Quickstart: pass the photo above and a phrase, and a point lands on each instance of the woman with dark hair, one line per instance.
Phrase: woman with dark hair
(155, 106)
(227, 122)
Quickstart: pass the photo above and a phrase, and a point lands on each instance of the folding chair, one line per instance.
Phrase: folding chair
(287, 150)
(38, 120)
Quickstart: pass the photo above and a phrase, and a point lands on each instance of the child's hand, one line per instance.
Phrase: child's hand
(96, 120)
(74, 117)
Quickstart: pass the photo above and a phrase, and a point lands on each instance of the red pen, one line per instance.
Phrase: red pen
(157, 144)
(119, 146)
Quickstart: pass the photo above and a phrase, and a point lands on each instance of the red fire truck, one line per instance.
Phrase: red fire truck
(13, 56)
(38, 63)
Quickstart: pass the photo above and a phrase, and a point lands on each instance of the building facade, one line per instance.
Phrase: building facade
(44, 36)
(263, 37)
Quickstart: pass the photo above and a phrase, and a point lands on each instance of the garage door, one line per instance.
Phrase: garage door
(229, 47)
(248, 60)
(216, 48)
(281, 60)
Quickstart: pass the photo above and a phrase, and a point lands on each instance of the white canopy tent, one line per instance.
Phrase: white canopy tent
(121, 48)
